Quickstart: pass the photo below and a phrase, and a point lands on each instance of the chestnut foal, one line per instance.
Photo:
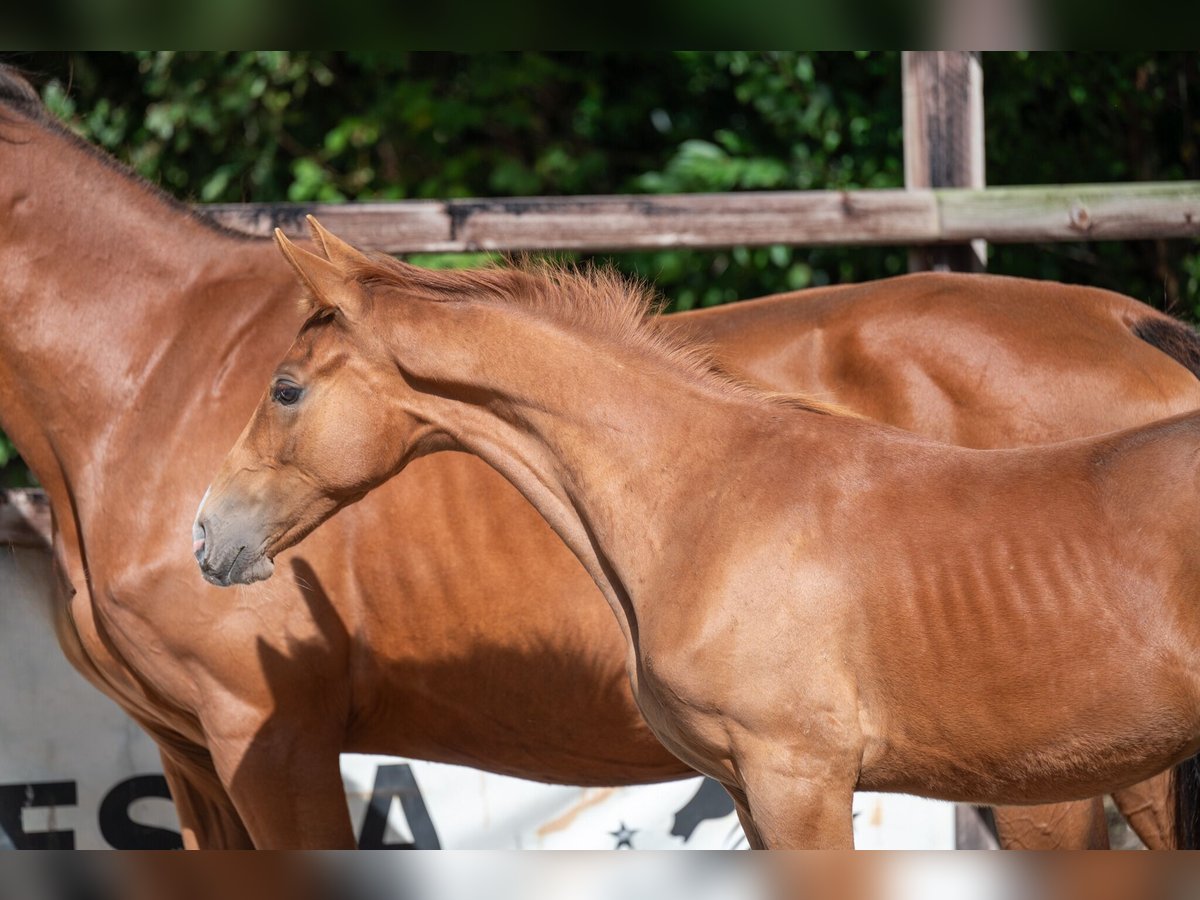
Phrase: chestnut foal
(811, 603)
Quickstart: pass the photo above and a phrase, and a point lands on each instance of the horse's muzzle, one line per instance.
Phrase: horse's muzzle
(226, 557)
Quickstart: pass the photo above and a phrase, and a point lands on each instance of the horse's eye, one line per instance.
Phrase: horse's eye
(285, 393)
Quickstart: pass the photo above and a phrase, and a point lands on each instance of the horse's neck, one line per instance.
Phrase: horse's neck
(611, 446)
(121, 315)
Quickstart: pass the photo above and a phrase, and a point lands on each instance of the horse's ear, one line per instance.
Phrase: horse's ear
(338, 251)
(327, 284)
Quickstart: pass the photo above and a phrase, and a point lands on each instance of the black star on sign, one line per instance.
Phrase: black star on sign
(624, 836)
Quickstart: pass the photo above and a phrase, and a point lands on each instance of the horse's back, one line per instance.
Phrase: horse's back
(975, 360)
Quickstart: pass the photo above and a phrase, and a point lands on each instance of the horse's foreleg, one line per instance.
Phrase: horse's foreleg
(207, 817)
(288, 789)
(743, 813)
(1078, 825)
(791, 809)
(282, 773)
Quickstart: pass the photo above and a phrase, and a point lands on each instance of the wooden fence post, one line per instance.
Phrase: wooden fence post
(943, 148)
(943, 141)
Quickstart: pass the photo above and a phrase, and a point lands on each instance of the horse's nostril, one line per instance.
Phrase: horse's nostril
(198, 537)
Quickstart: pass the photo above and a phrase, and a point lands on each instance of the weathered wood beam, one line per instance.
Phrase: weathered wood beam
(1072, 212)
(613, 222)
(802, 218)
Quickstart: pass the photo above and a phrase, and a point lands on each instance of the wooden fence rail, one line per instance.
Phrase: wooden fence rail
(630, 222)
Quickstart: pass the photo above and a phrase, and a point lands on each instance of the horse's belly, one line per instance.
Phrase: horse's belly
(1026, 679)
(1075, 760)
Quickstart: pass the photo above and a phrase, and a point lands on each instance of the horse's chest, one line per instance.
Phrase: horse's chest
(81, 642)
(92, 650)
(680, 711)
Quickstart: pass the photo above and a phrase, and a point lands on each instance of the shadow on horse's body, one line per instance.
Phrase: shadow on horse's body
(135, 341)
(812, 603)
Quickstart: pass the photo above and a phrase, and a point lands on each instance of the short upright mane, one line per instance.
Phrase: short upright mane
(597, 301)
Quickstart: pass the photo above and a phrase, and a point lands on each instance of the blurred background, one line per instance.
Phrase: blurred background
(367, 125)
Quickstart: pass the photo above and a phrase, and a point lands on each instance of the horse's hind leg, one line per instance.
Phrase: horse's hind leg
(1149, 808)
(1078, 825)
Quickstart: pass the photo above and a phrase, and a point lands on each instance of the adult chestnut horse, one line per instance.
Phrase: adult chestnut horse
(134, 340)
(811, 603)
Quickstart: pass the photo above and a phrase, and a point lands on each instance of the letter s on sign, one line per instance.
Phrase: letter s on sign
(119, 829)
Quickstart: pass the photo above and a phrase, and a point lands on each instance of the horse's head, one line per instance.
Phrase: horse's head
(323, 435)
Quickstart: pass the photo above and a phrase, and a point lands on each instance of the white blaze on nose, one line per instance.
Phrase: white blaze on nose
(200, 508)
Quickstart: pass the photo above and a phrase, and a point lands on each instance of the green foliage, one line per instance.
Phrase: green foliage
(301, 126)
(327, 126)
(1084, 117)
(13, 472)
(307, 126)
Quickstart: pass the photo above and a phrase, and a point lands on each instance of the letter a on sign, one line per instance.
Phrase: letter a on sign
(392, 783)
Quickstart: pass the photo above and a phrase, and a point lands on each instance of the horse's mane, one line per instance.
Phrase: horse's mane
(17, 95)
(597, 301)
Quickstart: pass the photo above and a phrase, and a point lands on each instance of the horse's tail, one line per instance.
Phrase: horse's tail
(1177, 340)
(1185, 786)
(1182, 344)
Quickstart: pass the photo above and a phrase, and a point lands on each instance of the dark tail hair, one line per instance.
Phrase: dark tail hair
(1177, 340)
(1185, 783)
(1182, 344)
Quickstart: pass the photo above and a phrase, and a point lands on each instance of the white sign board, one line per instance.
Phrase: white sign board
(76, 772)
